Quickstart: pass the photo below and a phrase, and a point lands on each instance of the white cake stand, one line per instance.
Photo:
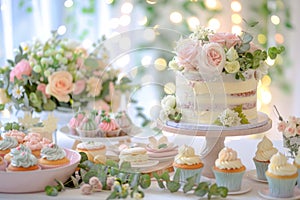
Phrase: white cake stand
(215, 136)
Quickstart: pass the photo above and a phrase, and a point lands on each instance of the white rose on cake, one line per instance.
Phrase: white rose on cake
(229, 118)
(232, 67)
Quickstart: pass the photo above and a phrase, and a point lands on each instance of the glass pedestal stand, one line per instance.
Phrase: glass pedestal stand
(215, 136)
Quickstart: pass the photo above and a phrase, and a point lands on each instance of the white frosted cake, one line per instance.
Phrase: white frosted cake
(216, 79)
(202, 101)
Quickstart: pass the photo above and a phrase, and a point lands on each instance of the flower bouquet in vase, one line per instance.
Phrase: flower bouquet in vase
(290, 130)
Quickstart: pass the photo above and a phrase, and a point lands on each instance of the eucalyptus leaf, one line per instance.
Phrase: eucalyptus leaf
(176, 176)
(111, 163)
(246, 38)
(158, 179)
(145, 181)
(213, 190)
(173, 186)
(223, 191)
(165, 176)
(188, 186)
(125, 166)
(134, 180)
(113, 195)
(91, 62)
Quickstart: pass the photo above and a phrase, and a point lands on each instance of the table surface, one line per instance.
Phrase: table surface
(244, 145)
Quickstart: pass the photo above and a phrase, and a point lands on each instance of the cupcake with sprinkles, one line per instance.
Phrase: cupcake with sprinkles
(53, 156)
(7, 144)
(24, 161)
(16, 151)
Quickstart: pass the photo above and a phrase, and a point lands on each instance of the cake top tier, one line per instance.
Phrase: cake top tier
(212, 53)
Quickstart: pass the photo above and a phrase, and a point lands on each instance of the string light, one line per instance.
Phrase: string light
(214, 24)
(236, 6)
(127, 8)
(176, 17)
(68, 3)
(160, 64)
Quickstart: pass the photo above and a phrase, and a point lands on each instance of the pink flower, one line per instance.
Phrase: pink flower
(225, 39)
(290, 130)
(97, 187)
(187, 53)
(79, 87)
(213, 58)
(42, 87)
(22, 68)
(281, 126)
(60, 85)
(110, 182)
(94, 181)
(86, 189)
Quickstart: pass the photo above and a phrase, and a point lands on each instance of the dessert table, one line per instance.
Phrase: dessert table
(245, 146)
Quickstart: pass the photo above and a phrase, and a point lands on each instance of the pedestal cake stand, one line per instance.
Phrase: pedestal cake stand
(215, 136)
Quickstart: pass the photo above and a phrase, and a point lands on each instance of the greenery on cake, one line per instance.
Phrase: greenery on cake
(123, 181)
(169, 111)
(212, 53)
(232, 117)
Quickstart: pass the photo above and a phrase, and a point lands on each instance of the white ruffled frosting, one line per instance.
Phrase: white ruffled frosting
(8, 143)
(265, 150)
(186, 156)
(24, 159)
(227, 159)
(297, 158)
(280, 167)
(53, 152)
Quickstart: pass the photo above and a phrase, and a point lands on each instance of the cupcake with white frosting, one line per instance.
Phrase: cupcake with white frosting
(25, 161)
(53, 156)
(229, 170)
(281, 176)
(265, 151)
(189, 163)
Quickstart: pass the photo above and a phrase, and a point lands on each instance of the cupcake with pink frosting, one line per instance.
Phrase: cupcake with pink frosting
(2, 164)
(35, 146)
(19, 135)
(109, 127)
(75, 122)
(32, 136)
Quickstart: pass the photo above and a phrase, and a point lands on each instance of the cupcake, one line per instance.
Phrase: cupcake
(124, 121)
(229, 170)
(281, 176)
(75, 122)
(297, 164)
(15, 151)
(88, 128)
(92, 149)
(134, 155)
(35, 146)
(19, 135)
(32, 136)
(3, 164)
(109, 127)
(189, 163)
(6, 144)
(53, 156)
(24, 161)
(265, 151)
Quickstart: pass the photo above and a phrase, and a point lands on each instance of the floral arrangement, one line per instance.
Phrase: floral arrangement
(290, 130)
(59, 73)
(232, 117)
(212, 53)
(123, 181)
(169, 111)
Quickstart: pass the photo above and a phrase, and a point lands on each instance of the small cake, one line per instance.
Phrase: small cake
(189, 163)
(297, 164)
(32, 136)
(92, 149)
(3, 164)
(6, 144)
(109, 127)
(24, 161)
(134, 155)
(281, 176)
(229, 170)
(53, 156)
(88, 128)
(265, 151)
(35, 146)
(75, 121)
(161, 149)
(19, 135)
(15, 151)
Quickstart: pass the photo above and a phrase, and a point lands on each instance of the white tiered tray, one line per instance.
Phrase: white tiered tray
(215, 136)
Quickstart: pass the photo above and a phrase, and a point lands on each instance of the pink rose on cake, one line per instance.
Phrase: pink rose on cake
(60, 85)
(188, 51)
(214, 57)
(225, 39)
(21, 68)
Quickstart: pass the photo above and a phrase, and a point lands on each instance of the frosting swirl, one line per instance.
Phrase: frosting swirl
(24, 159)
(53, 152)
(19, 135)
(265, 150)
(8, 143)
(90, 145)
(19, 149)
(227, 159)
(34, 145)
(109, 126)
(297, 158)
(279, 166)
(186, 155)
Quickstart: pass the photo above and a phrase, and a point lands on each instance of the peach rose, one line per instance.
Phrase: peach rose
(22, 68)
(213, 57)
(60, 85)
(94, 86)
(281, 126)
(79, 87)
(187, 53)
(225, 39)
(42, 87)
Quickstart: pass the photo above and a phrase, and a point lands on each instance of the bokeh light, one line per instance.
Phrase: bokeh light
(176, 17)
(236, 18)
(160, 64)
(61, 30)
(214, 24)
(143, 21)
(127, 8)
(279, 38)
(275, 19)
(261, 38)
(68, 3)
(236, 6)
(193, 22)
(211, 4)
(113, 23)
(169, 88)
(236, 29)
(146, 60)
(125, 20)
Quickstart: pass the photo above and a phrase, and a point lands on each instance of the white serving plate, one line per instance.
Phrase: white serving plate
(35, 181)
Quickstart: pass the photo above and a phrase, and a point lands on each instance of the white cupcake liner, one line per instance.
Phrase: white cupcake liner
(233, 181)
(261, 168)
(281, 188)
(186, 173)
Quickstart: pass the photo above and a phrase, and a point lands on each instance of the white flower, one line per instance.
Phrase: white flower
(174, 66)
(168, 102)
(232, 67)
(229, 118)
(201, 33)
(231, 54)
(17, 91)
(290, 130)
(137, 195)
